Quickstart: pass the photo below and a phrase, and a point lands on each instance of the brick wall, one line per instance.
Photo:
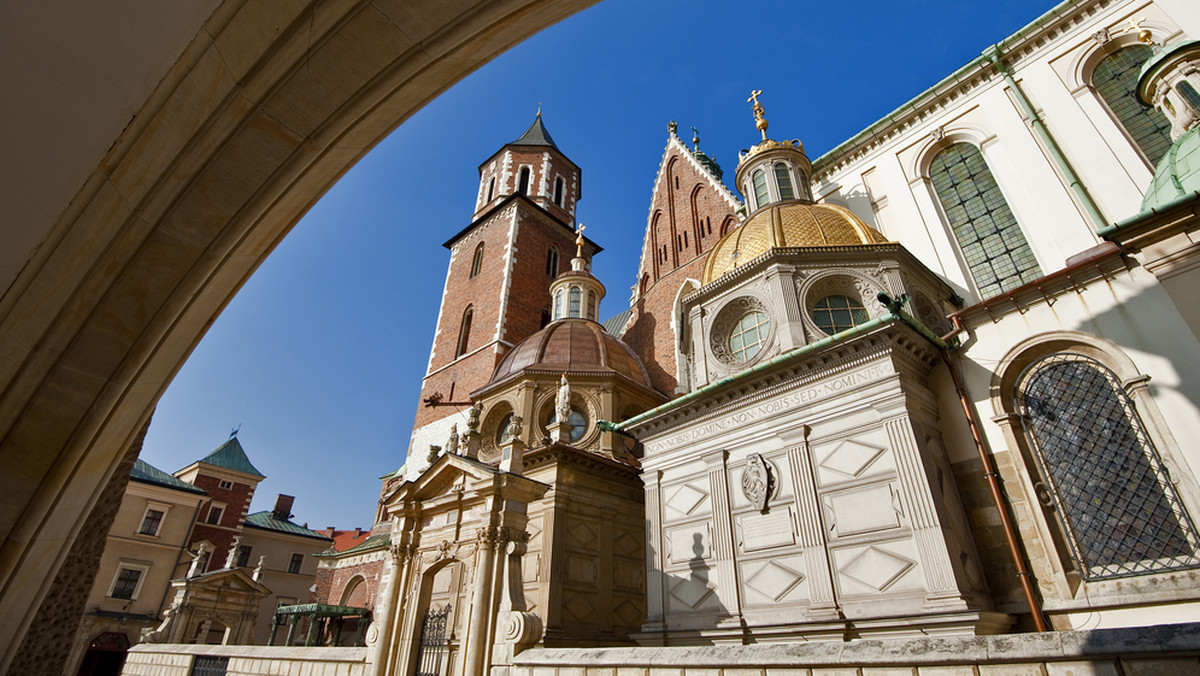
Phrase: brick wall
(688, 214)
(237, 506)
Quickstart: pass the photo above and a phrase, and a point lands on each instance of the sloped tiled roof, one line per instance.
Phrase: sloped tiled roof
(231, 455)
(346, 539)
(266, 520)
(535, 135)
(149, 474)
(373, 542)
(615, 325)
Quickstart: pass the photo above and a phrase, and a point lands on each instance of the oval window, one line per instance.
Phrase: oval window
(747, 337)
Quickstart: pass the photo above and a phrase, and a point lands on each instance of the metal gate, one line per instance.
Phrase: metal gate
(208, 665)
(433, 641)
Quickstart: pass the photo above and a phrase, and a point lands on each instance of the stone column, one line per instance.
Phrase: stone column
(387, 620)
(475, 653)
(724, 561)
(655, 556)
(822, 600)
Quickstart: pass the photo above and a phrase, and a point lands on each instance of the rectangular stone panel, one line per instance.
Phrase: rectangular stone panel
(862, 510)
(764, 531)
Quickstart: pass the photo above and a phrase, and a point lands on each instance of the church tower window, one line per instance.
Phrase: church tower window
(591, 305)
(1113, 496)
(477, 261)
(991, 240)
(760, 189)
(491, 193)
(784, 180)
(1115, 80)
(559, 190)
(552, 261)
(574, 297)
(558, 304)
(523, 181)
(837, 313)
(464, 332)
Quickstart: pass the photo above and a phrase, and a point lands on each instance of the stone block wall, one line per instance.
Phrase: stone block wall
(164, 659)
(1141, 651)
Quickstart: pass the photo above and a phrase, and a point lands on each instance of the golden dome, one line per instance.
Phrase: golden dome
(784, 225)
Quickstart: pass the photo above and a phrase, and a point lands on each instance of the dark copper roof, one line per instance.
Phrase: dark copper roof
(570, 346)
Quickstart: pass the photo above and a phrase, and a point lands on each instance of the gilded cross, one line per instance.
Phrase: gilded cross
(754, 97)
(579, 240)
(1135, 24)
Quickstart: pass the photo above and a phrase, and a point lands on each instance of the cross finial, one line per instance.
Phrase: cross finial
(695, 139)
(539, 114)
(1143, 34)
(234, 431)
(760, 121)
(579, 240)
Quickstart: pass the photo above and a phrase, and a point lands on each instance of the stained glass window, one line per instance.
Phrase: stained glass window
(748, 335)
(574, 297)
(1115, 80)
(992, 243)
(838, 313)
(1111, 491)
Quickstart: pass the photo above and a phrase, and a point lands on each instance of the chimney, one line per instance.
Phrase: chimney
(358, 532)
(283, 507)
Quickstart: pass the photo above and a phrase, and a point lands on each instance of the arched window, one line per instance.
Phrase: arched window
(464, 333)
(760, 188)
(558, 304)
(477, 261)
(992, 243)
(645, 284)
(1116, 505)
(591, 310)
(574, 297)
(523, 182)
(559, 190)
(784, 180)
(552, 261)
(1188, 93)
(491, 189)
(837, 313)
(1115, 80)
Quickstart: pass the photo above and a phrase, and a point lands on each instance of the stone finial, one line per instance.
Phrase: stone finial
(258, 570)
(473, 418)
(199, 559)
(512, 458)
(232, 555)
(434, 452)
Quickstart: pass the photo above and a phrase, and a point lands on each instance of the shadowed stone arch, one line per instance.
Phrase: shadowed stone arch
(263, 109)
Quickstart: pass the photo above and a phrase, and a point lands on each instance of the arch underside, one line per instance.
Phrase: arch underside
(266, 107)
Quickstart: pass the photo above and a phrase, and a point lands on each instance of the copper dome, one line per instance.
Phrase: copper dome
(573, 346)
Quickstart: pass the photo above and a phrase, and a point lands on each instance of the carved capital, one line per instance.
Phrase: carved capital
(402, 553)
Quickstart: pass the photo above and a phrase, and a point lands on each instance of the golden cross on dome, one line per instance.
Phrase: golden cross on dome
(579, 240)
(760, 122)
(1144, 34)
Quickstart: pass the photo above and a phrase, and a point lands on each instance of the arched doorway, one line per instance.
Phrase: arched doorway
(105, 655)
(124, 264)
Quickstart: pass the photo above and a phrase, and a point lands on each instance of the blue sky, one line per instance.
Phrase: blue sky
(319, 357)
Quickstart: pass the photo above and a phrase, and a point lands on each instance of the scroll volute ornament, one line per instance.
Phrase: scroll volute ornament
(757, 481)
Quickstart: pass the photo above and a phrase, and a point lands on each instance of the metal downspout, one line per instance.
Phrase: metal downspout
(997, 491)
(1089, 205)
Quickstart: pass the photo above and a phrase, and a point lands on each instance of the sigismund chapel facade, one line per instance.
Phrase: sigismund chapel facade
(936, 385)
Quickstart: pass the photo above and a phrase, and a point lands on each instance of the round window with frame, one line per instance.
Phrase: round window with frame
(835, 313)
(577, 421)
(749, 335)
(741, 332)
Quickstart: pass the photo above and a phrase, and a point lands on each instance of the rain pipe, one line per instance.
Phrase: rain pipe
(1089, 205)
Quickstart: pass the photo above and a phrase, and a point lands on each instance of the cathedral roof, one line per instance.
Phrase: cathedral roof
(571, 346)
(788, 224)
(267, 520)
(535, 135)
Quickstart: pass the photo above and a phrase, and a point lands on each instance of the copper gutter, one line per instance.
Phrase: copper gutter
(993, 478)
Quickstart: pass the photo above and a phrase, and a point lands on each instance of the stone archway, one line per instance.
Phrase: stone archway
(265, 107)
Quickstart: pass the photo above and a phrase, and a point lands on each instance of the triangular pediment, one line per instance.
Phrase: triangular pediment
(228, 580)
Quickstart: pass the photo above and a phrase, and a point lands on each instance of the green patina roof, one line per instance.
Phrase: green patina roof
(231, 455)
(535, 135)
(1177, 174)
(372, 542)
(268, 521)
(149, 474)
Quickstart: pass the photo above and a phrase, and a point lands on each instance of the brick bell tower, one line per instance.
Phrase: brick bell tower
(497, 282)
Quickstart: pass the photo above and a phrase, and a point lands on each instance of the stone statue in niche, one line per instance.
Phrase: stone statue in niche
(452, 442)
(562, 403)
(757, 481)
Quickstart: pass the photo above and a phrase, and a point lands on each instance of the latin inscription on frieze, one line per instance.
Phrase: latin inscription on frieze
(763, 531)
(786, 402)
